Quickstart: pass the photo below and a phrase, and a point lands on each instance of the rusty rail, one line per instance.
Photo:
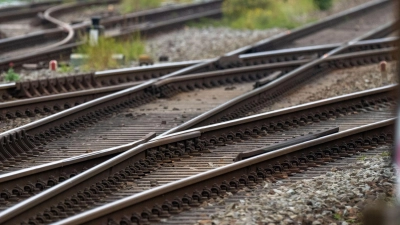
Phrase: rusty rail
(159, 18)
(242, 104)
(58, 85)
(125, 78)
(210, 136)
(212, 181)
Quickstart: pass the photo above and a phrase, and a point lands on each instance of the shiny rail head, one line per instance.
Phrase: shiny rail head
(287, 143)
(177, 188)
(7, 86)
(146, 68)
(389, 88)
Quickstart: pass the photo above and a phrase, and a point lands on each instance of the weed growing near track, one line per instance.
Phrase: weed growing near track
(100, 56)
(264, 14)
(137, 5)
(11, 76)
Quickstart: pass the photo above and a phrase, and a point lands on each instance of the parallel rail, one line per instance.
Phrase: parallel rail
(187, 193)
(60, 124)
(122, 79)
(168, 146)
(133, 164)
(156, 19)
(58, 85)
(25, 11)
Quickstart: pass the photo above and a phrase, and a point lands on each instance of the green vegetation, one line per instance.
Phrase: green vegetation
(264, 14)
(11, 75)
(100, 56)
(136, 5)
(337, 216)
(128, 6)
(323, 4)
(385, 154)
(64, 68)
(362, 158)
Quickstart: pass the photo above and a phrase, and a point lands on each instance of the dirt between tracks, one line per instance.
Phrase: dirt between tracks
(338, 82)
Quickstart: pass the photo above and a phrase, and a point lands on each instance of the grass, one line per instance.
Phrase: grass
(362, 158)
(11, 75)
(128, 6)
(64, 68)
(337, 216)
(385, 154)
(265, 14)
(100, 55)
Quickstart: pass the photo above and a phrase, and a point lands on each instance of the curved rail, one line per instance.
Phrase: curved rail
(194, 134)
(17, 108)
(176, 191)
(308, 69)
(64, 26)
(159, 18)
(25, 11)
(207, 134)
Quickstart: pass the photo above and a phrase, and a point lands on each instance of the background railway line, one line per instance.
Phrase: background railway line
(151, 22)
(33, 107)
(116, 160)
(32, 88)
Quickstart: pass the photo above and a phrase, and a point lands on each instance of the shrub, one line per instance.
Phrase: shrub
(128, 6)
(99, 56)
(11, 75)
(323, 4)
(262, 14)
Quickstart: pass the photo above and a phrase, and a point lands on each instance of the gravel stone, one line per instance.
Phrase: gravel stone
(203, 43)
(326, 199)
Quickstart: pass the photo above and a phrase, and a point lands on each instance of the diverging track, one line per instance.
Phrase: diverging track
(188, 153)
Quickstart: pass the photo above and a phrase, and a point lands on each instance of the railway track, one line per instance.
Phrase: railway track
(211, 208)
(41, 132)
(51, 137)
(25, 11)
(34, 108)
(27, 141)
(151, 22)
(194, 151)
(181, 199)
(57, 85)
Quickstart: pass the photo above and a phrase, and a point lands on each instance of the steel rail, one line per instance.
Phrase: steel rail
(298, 33)
(207, 133)
(36, 88)
(274, 42)
(28, 6)
(23, 107)
(305, 70)
(210, 128)
(62, 123)
(155, 16)
(83, 176)
(64, 26)
(158, 195)
(72, 160)
(54, 120)
(41, 36)
(26, 12)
